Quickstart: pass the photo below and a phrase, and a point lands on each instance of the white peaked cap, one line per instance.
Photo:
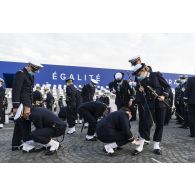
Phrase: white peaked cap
(94, 81)
(35, 63)
(1, 80)
(137, 67)
(135, 57)
(118, 76)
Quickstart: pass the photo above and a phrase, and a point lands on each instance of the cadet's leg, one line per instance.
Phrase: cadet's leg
(192, 120)
(17, 136)
(71, 117)
(43, 135)
(160, 118)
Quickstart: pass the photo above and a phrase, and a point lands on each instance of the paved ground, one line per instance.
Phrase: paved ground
(177, 147)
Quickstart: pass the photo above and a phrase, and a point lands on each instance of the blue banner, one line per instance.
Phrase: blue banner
(57, 74)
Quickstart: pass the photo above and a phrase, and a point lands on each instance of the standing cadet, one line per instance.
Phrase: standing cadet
(151, 109)
(91, 112)
(60, 102)
(190, 100)
(182, 105)
(115, 130)
(37, 97)
(88, 91)
(49, 99)
(78, 103)
(2, 99)
(169, 110)
(71, 101)
(48, 126)
(176, 101)
(22, 96)
(124, 93)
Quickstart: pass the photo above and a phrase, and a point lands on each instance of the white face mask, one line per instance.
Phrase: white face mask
(183, 81)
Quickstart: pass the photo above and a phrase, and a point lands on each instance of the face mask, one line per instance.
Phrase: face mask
(141, 77)
(183, 81)
(1, 85)
(118, 80)
(31, 73)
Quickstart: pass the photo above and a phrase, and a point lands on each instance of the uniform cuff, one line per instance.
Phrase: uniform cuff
(16, 104)
(165, 94)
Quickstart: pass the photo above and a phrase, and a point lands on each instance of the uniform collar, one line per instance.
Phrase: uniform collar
(148, 75)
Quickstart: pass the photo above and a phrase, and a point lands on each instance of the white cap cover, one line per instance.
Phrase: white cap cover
(94, 81)
(118, 76)
(137, 67)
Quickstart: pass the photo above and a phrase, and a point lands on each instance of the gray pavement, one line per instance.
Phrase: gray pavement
(177, 147)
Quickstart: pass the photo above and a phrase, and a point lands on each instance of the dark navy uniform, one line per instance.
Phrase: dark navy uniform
(47, 125)
(37, 98)
(124, 93)
(60, 102)
(22, 92)
(115, 128)
(49, 101)
(168, 110)
(190, 100)
(2, 100)
(178, 107)
(79, 101)
(150, 109)
(71, 101)
(87, 93)
(91, 111)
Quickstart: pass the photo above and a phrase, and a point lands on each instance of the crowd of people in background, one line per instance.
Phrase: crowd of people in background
(147, 95)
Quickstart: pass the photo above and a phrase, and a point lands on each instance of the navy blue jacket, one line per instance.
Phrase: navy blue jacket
(22, 91)
(96, 109)
(190, 91)
(43, 118)
(113, 123)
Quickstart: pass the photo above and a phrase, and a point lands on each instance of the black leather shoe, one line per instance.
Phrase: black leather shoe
(16, 148)
(93, 139)
(40, 149)
(118, 148)
(135, 152)
(30, 151)
(157, 151)
(110, 154)
(48, 153)
(181, 127)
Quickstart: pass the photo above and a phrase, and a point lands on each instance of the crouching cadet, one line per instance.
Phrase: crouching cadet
(91, 112)
(115, 130)
(48, 126)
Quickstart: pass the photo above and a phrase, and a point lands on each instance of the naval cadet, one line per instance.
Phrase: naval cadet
(152, 109)
(22, 97)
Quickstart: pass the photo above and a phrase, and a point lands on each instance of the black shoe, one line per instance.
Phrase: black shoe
(182, 127)
(118, 148)
(157, 151)
(191, 135)
(16, 148)
(48, 152)
(93, 139)
(30, 151)
(40, 149)
(135, 152)
(110, 154)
